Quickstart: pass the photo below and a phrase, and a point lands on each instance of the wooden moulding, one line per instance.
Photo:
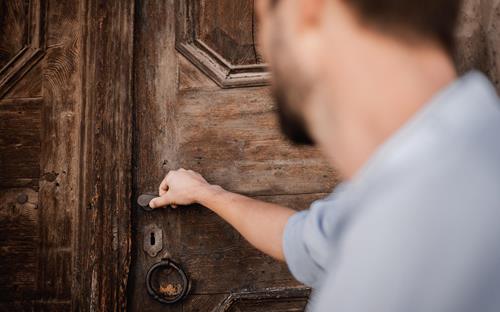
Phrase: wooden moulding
(215, 66)
(31, 53)
(298, 295)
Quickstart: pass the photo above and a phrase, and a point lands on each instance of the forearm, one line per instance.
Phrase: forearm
(261, 223)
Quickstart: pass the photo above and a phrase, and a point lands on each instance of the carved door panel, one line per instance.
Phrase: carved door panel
(202, 102)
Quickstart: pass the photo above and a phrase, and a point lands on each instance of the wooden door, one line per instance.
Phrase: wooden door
(202, 103)
(65, 154)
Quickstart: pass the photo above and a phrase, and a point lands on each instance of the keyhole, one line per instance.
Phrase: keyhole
(152, 239)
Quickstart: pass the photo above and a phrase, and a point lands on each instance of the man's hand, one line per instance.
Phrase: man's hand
(180, 187)
(261, 223)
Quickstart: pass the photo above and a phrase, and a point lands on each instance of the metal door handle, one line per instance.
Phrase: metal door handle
(144, 199)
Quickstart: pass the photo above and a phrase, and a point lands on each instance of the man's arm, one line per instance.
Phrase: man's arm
(262, 224)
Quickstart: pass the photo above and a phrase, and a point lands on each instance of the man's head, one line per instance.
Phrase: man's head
(320, 50)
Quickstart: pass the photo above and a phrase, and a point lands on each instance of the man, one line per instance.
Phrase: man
(415, 226)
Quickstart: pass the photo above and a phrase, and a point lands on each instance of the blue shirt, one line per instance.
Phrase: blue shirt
(418, 228)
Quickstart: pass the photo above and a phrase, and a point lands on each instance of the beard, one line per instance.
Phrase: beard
(292, 124)
(288, 92)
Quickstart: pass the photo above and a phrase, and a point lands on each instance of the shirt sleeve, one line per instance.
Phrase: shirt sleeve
(307, 241)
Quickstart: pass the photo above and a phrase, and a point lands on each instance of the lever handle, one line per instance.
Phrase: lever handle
(144, 199)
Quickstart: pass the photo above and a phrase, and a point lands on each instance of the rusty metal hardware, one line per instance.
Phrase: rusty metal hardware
(153, 240)
(22, 198)
(166, 282)
(144, 199)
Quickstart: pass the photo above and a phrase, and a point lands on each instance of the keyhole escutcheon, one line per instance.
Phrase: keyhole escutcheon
(153, 239)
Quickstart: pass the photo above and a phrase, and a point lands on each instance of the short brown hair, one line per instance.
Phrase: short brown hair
(430, 19)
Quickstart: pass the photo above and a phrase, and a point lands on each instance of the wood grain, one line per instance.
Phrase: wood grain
(19, 238)
(14, 34)
(21, 47)
(232, 137)
(218, 37)
(30, 86)
(155, 142)
(59, 169)
(227, 26)
(22, 40)
(191, 78)
(220, 260)
(20, 131)
(478, 38)
(102, 236)
(272, 300)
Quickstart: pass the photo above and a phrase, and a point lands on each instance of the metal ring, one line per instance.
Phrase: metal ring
(158, 297)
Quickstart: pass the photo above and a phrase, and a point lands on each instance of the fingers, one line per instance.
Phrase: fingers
(164, 184)
(174, 180)
(163, 188)
(161, 201)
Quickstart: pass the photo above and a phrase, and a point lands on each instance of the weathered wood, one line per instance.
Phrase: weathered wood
(22, 41)
(232, 137)
(30, 86)
(228, 27)
(59, 162)
(38, 306)
(206, 35)
(64, 23)
(19, 237)
(271, 299)
(52, 306)
(155, 86)
(191, 78)
(478, 37)
(202, 303)
(102, 236)
(14, 34)
(20, 130)
(59, 284)
(220, 260)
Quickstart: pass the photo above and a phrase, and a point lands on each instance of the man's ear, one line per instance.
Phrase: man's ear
(310, 12)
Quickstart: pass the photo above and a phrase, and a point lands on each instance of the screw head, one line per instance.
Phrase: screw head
(22, 198)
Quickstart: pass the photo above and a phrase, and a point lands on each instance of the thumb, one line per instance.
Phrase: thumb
(161, 201)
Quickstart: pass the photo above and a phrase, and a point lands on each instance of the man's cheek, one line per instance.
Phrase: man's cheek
(263, 45)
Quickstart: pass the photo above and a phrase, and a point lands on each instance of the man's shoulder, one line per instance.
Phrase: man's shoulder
(426, 209)
(443, 167)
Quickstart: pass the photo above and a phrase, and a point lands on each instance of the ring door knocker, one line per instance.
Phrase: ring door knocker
(166, 282)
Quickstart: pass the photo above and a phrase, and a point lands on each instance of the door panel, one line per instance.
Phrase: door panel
(219, 38)
(227, 26)
(187, 115)
(231, 137)
(202, 103)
